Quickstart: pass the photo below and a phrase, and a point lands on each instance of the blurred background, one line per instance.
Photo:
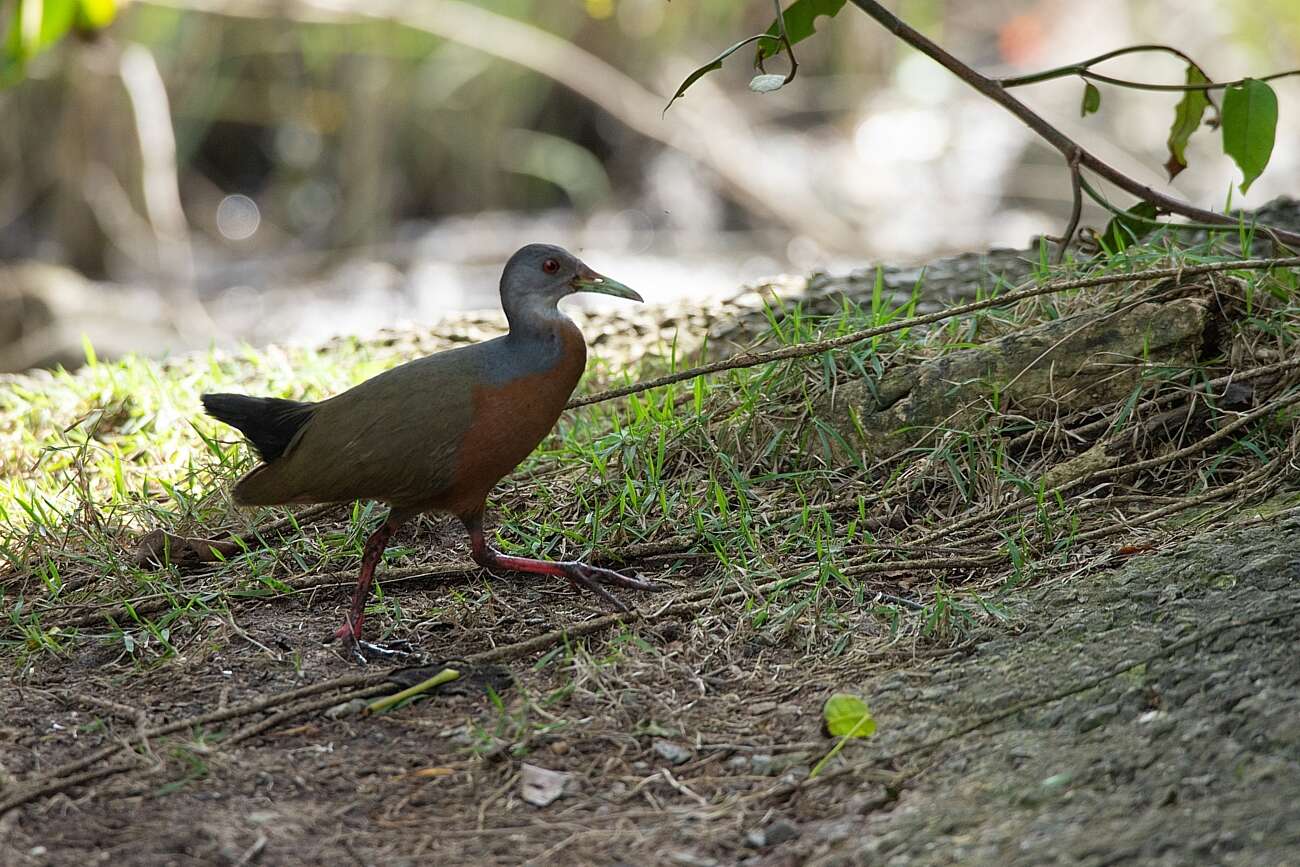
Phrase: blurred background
(221, 171)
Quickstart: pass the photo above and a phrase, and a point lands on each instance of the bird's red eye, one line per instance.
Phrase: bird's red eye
(550, 266)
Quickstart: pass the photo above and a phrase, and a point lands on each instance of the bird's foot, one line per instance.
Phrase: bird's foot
(392, 651)
(364, 652)
(591, 578)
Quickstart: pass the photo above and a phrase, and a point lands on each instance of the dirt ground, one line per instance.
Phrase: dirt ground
(689, 738)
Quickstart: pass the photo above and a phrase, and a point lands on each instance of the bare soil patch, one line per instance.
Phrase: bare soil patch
(689, 739)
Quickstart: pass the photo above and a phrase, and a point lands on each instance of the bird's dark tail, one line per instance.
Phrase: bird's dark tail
(270, 423)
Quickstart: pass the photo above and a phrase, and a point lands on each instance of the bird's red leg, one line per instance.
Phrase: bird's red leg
(580, 574)
(350, 631)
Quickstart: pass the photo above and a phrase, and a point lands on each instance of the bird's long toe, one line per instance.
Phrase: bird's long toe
(618, 579)
(591, 578)
(396, 650)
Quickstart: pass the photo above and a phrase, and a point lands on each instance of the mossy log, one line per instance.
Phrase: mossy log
(1078, 362)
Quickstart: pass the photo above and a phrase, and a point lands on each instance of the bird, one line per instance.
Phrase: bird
(437, 433)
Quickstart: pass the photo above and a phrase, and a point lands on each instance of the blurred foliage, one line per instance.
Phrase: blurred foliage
(341, 131)
(35, 25)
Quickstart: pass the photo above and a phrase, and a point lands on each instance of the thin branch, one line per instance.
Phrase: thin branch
(1076, 68)
(1076, 209)
(785, 41)
(1131, 217)
(1053, 136)
(1084, 72)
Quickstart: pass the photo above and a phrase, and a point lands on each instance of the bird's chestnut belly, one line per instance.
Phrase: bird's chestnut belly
(509, 421)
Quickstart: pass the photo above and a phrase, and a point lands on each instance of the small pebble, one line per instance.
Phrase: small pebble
(672, 752)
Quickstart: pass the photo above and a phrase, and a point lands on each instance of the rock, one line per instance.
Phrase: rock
(780, 832)
(541, 787)
(1098, 716)
(672, 752)
(774, 834)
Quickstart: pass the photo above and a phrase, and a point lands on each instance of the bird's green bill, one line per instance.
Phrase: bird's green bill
(589, 281)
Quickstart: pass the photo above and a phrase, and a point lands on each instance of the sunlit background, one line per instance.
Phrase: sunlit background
(217, 171)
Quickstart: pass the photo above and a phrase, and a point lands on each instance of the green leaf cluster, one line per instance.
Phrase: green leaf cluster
(800, 23)
(1248, 121)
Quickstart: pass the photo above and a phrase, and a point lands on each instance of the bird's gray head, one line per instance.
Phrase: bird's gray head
(539, 275)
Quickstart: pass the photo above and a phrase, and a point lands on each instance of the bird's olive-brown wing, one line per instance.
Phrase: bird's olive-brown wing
(393, 438)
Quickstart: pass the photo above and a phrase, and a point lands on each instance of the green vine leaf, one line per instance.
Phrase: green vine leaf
(1091, 99)
(1249, 127)
(1130, 227)
(800, 23)
(714, 65)
(1187, 119)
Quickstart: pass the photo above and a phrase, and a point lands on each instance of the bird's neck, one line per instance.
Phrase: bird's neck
(537, 320)
(545, 339)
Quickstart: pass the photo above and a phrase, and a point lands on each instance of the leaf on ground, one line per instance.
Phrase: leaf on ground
(1091, 99)
(1124, 229)
(800, 23)
(1249, 127)
(847, 716)
(1187, 119)
(713, 65)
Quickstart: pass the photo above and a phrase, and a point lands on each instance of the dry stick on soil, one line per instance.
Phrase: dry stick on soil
(1236, 376)
(1200, 499)
(372, 684)
(365, 685)
(864, 566)
(160, 546)
(1029, 704)
(803, 350)
(1110, 472)
(1076, 156)
(154, 603)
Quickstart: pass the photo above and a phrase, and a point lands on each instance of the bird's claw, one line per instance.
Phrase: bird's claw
(365, 652)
